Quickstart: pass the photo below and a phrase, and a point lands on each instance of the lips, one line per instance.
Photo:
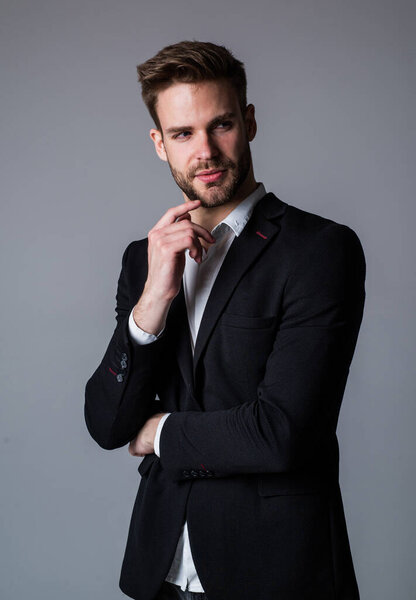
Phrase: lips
(210, 176)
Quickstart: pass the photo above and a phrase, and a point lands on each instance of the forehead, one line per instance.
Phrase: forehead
(181, 103)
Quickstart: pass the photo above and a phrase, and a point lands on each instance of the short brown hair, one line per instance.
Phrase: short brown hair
(190, 62)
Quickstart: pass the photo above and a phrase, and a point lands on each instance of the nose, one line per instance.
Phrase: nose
(206, 148)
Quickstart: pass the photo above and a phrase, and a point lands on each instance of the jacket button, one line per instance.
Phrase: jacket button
(194, 474)
(186, 474)
(124, 356)
(123, 364)
(120, 377)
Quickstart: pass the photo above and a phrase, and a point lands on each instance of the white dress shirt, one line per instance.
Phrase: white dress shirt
(198, 280)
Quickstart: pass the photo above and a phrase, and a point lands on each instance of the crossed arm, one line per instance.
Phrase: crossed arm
(298, 400)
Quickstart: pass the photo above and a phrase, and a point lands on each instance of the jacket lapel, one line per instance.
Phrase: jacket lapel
(245, 249)
(179, 328)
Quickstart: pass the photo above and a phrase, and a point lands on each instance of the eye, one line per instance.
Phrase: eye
(182, 135)
(224, 125)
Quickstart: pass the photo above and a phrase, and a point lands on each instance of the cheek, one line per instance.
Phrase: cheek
(177, 159)
(234, 146)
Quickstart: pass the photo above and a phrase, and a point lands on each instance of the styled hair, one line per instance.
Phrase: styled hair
(190, 62)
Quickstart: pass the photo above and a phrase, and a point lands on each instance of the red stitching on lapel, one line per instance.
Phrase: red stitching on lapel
(261, 235)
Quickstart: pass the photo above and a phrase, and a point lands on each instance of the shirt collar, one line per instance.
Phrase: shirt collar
(238, 217)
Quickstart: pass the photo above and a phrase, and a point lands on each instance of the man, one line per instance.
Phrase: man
(237, 320)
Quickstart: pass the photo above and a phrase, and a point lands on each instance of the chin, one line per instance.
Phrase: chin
(213, 200)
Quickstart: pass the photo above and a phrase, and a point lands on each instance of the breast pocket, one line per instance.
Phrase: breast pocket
(244, 322)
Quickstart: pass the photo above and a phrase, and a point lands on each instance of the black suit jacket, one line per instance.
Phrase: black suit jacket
(249, 455)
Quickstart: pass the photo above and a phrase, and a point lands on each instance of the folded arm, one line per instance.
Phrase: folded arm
(297, 404)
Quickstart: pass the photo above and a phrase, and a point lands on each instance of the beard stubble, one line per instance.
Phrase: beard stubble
(225, 192)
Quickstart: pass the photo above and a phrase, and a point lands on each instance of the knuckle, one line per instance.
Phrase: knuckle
(159, 242)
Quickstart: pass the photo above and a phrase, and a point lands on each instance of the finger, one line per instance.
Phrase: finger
(184, 217)
(203, 233)
(188, 227)
(185, 229)
(177, 242)
(133, 451)
(174, 212)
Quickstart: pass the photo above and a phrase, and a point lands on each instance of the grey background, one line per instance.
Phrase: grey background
(333, 83)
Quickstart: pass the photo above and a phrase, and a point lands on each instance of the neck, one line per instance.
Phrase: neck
(210, 217)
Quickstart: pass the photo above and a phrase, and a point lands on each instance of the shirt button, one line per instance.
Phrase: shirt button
(120, 377)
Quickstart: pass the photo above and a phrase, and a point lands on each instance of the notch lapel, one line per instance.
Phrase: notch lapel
(179, 330)
(245, 249)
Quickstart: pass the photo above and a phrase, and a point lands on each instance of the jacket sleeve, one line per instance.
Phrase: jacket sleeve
(120, 395)
(296, 407)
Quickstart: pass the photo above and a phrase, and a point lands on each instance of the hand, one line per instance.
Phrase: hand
(168, 239)
(144, 441)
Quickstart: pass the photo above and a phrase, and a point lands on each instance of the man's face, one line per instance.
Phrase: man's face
(205, 140)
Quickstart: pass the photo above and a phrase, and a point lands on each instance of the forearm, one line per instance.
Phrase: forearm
(150, 312)
(294, 407)
(280, 430)
(119, 397)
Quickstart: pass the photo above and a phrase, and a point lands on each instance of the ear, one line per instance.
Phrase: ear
(250, 122)
(157, 138)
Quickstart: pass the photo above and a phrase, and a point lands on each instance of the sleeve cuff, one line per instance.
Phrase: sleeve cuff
(156, 443)
(139, 336)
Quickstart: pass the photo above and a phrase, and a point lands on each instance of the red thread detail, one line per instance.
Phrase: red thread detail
(261, 235)
(111, 371)
(203, 466)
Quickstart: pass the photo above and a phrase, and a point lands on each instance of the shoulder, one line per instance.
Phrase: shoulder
(322, 248)
(311, 228)
(308, 241)
(321, 237)
(302, 226)
(304, 232)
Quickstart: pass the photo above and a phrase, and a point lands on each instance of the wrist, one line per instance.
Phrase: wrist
(153, 295)
(150, 313)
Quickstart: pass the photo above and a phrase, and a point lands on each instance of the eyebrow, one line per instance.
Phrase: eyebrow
(212, 123)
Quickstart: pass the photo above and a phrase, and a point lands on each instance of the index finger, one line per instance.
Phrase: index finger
(174, 212)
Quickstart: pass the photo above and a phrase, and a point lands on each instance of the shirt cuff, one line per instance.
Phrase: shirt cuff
(156, 443)
(138, 335)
